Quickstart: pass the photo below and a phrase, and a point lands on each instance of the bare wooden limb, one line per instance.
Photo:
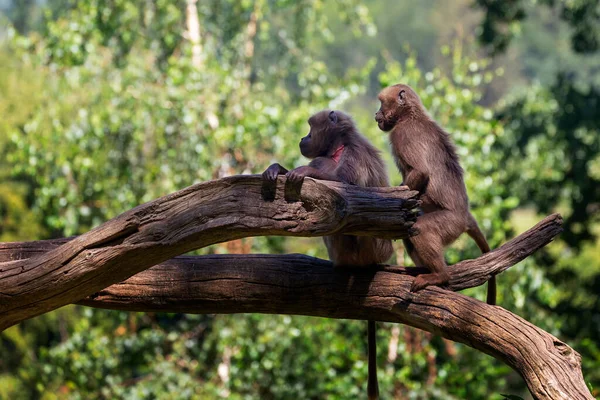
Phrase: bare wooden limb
(192, 218)
(297, 284)
(465, 274)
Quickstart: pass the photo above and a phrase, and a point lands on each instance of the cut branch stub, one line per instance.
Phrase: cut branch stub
(192, 218)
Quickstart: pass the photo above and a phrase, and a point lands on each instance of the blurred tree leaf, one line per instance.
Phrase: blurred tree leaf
(502, 21)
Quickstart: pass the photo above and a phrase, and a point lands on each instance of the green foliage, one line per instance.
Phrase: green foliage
(552, 153)
(78, 28)
(555, 132)
(19, 87)
(104, 107)
(544, 51)
(503, 19)
(145, 130)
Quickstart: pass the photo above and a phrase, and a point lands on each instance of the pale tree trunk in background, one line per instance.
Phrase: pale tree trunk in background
(193, 32)
(193, 35)
(250, 35)
(393, 345)
(224, 369)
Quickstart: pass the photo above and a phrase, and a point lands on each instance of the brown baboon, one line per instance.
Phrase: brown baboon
(340, 153)
(429, 164)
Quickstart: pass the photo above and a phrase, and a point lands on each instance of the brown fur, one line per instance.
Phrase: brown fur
(428, 162)
(360, 164)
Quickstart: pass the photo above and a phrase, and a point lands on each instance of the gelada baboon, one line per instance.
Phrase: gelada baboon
(429, 164)
(340, 153)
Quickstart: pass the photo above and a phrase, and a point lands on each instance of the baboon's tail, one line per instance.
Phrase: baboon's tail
(372, 385)
(474, 231)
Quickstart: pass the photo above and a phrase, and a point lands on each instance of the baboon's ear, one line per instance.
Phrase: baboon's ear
(333, 117)
(402, 96)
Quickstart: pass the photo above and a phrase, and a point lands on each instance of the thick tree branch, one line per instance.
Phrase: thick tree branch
(195, 217)
(465, 274)
(297, 284)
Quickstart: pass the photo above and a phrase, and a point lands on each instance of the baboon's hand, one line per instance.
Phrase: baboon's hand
(297, 175)
(271, 173)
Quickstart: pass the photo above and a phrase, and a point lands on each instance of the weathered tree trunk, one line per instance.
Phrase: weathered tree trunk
(195, 217)
(297, 284)
(40, 276)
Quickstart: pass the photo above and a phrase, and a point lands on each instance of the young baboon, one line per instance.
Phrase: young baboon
(429, 164)
(340, 153)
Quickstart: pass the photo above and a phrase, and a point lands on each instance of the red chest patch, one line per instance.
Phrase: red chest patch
(337, 154)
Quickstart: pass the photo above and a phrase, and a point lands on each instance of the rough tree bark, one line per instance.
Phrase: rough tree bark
(40, 276)
(195, 217)
(297, 284)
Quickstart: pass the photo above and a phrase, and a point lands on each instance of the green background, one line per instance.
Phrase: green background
(103, 107)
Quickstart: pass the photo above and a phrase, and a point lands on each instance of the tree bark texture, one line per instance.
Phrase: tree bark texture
(302, 285)
(195, 217)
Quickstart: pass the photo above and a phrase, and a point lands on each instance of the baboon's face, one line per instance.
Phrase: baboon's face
(396, 101)
(325, 131)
